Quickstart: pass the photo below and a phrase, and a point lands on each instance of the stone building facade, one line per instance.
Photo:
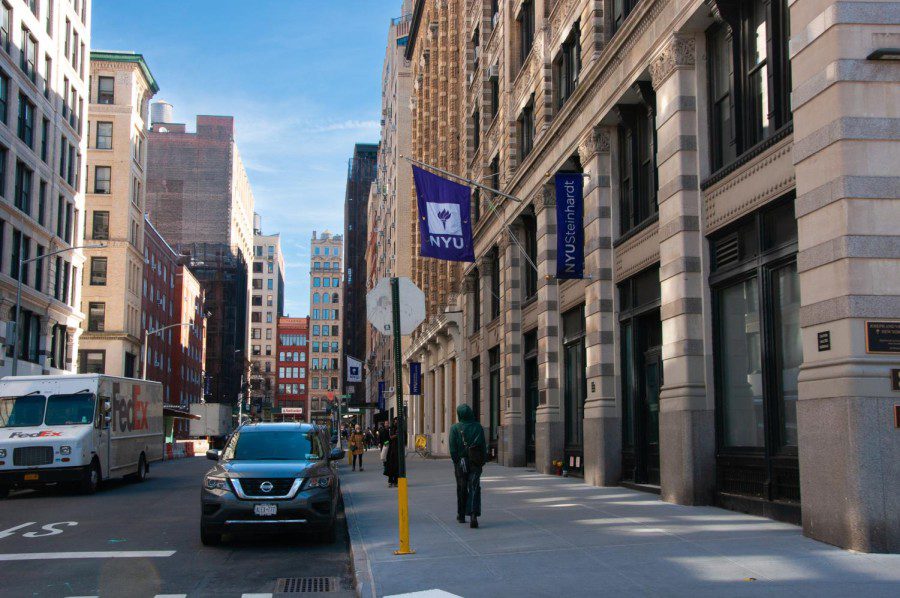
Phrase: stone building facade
(389, 250)
(727, 344)
(292, 369)
(43, 140)
(117, 162)
(326, 303)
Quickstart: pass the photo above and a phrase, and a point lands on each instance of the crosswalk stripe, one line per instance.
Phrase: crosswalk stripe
(170, 596)
(256, 595)
(100, 554)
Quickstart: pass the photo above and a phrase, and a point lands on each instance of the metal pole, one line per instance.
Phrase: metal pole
(402, 493)
(463, 179)
(15, 345)
(144, 358)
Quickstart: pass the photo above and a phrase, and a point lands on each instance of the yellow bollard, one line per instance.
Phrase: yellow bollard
(403, 513)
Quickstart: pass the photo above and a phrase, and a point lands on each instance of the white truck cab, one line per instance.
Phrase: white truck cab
(78, 429)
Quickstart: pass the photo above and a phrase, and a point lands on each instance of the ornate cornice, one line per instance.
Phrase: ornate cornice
(679, 52)
(595, 142)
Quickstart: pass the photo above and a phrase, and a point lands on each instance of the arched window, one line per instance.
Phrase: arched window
(315, 297)
(325, 297)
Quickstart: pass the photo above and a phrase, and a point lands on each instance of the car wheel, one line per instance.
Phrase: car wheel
(91, 480)
(142, 469)
(209, 537)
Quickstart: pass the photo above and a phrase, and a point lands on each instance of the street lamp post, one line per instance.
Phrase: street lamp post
(15, 344)
(147, 334)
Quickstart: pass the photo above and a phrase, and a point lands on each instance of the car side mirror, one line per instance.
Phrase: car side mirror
(336, 454)
(213, 454)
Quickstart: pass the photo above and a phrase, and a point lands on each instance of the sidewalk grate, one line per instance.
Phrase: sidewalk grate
(303, 585)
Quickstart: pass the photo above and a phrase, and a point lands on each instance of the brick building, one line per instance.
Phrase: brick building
(292, 371)
(360, 175)
(189, 357)
(200, 200)
(160, 307)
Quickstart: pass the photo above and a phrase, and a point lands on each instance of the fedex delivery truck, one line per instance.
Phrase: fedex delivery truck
(79, 429)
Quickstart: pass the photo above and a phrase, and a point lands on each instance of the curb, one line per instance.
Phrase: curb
(360, 565)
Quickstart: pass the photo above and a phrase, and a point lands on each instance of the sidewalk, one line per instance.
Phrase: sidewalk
(548, 536)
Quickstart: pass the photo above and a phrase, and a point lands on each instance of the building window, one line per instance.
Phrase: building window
(4, 98)
(96, 317)
(104, 135)
(620, 11)
(23, 187)
(525, 127)
(98, 271)
(5, 24)
(91, 362)
(102, 180)
(45, 139)
(494, 84)
(494, 389)
(494, 261)
(568, 67)
(637, 160)
(58, 342)
(26, 120)
(526, 30)
(756, 326)
(476, 130)
(750, 99)
(28, 56)
(476, 301)
(42, 203)
(105, 90)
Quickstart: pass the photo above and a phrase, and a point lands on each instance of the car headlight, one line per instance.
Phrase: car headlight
(2, 453)
(216, 483)
(319, 482)
(65, 450)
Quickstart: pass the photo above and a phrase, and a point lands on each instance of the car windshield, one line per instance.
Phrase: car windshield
(69, 409)
(288, 445)
(19, 412)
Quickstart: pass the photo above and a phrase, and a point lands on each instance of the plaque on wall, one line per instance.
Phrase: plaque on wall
(882, 337)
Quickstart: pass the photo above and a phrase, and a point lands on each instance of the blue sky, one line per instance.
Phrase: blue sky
(302, 79)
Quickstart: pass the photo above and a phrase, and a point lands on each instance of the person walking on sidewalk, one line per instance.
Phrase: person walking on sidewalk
(391, 462)
(357, 446)
(468, 450)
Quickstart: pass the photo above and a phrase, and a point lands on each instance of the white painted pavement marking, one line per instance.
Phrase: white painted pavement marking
(425, 594)
(102, 554)
(170, 596)
(256, 595)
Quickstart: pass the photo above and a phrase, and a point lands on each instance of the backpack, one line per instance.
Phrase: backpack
(474, 453)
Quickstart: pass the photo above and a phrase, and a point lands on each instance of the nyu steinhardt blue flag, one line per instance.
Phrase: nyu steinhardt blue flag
(444, 223)
(570, 225)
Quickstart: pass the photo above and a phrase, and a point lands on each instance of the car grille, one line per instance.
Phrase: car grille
(280, 486)
(33, 455)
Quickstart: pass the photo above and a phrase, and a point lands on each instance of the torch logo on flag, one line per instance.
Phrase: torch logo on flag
(445, 226)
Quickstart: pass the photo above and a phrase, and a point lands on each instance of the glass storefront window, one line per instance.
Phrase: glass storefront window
(788, 347)
(742, 385)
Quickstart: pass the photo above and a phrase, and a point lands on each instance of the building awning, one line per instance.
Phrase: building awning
(179, 413)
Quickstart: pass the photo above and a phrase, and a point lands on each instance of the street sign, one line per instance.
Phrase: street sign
(411, 304)
(292, 411)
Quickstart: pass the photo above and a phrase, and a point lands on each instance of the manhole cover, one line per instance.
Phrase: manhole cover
(304, 585)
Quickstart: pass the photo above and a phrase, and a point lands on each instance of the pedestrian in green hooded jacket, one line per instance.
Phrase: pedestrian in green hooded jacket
(468, 450)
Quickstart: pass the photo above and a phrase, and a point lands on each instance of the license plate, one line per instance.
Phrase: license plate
(265, 510)
(30, 477)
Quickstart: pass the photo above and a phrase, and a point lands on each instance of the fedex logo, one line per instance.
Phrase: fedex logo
(42, 434)
(130, 414)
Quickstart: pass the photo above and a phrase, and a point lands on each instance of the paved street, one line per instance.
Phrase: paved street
(148, 535)
(549, 536)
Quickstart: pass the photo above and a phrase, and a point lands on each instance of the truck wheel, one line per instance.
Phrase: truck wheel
(91, 480)
(209, 537)
(4, 491)
(142, 469)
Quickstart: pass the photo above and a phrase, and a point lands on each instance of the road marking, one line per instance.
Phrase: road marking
(9, 531)
(256, 595)
(170, 596)
(101, 554)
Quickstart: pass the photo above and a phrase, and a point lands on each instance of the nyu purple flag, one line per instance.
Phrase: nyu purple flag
(446, 229)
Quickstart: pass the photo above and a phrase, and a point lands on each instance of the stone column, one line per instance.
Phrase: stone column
(71, 356)
(549, 435)
(602, 422)
(846, 152)
(46, 343)
(686, 419)
(484, 278)
(512, 441)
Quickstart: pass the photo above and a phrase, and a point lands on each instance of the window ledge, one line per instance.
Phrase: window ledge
(747, 156)
(637, 230)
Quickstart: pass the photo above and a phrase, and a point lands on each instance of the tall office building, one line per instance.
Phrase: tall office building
(43, 97)
(266, 306)
(360, 174)
(326, 300)
(116, 166)
(389, 249)
(200, 200)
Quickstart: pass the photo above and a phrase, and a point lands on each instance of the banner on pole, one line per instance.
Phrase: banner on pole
(381, 395)
(415, 378)
(444, 222)
(570, 225)
(354, 370)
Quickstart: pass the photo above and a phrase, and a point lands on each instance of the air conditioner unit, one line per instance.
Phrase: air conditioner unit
(494, 71)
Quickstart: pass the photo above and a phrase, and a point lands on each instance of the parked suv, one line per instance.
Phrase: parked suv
(271, 476)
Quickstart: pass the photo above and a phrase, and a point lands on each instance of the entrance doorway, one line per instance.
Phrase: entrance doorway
(530, 387)
(641, 334)
(575, 390)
